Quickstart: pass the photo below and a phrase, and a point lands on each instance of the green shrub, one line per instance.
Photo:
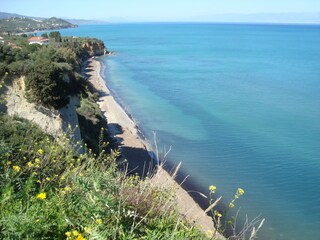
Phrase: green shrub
(45, 84)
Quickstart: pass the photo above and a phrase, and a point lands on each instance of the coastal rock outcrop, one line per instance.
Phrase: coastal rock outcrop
(95, 48)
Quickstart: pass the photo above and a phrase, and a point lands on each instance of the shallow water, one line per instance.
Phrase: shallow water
(239, 104)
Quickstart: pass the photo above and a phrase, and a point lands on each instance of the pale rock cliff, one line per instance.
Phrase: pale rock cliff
(95, 48)
(54, 122)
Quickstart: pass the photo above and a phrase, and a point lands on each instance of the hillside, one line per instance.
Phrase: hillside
(70, 20)
(23, 24)
(10, 15)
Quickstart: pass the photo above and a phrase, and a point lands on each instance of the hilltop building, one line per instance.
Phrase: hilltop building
(39, 40)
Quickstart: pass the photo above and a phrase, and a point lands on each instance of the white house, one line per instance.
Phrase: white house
(39, 40)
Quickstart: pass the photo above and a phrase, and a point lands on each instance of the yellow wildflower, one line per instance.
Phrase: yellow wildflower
(37, 160)
(75, 233)
(231, 205)
(80, 237)
(40, 151)
(63, 178)
(42, 196)
(9, 163)
(48, 179)
(30, 164)
(212, 188)
(217, 213)
(16, 168)
(67, 188)
(68, 234)
(87, 229)
(240, 191)
(99, 221)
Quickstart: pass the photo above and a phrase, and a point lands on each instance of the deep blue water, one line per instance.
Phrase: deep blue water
(239, 104)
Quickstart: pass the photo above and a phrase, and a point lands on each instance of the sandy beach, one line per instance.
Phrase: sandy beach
(134, 149)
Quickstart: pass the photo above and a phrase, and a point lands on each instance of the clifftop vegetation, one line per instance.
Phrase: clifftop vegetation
(53, 71)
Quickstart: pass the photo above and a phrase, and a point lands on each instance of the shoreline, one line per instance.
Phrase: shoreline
(137, 151)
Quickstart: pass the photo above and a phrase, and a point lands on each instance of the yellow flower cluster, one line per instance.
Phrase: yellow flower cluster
(16, 168)
(75, 234)
(217, 213)
(40, 151)
(99, 221)
(36, 163)
(42, 196)
(80, 237)
(66, 190)
(212, 188)
(240, 192)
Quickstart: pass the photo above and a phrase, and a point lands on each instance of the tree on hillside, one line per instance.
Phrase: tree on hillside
(47, 53)
(44, 35)
(46, 85)
(56, 36)
(7, 56)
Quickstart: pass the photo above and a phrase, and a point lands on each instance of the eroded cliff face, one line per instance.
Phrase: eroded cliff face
(95, 48)
(54, 122)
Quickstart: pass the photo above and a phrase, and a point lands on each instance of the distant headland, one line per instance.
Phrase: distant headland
(13, 24)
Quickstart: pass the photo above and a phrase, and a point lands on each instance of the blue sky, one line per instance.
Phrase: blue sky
(168, 10)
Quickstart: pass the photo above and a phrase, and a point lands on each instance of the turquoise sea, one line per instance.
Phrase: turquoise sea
(239, 104)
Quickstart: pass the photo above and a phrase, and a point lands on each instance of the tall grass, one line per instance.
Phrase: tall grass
(49, 191)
